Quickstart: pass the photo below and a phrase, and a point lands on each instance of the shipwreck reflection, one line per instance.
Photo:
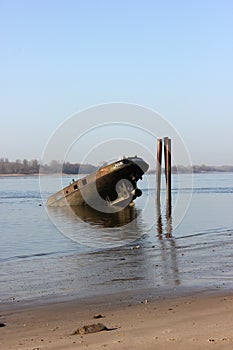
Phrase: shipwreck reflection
(93, 228)
(95, 217)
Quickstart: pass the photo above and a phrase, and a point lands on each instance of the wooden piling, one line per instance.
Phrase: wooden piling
(158, 170)
(167, 157)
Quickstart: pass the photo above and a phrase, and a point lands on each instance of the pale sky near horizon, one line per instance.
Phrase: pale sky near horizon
(60, 57)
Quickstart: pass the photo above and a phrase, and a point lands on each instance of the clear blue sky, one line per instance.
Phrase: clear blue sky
(58, 57)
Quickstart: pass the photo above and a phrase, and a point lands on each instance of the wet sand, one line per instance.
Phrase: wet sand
(199, 321)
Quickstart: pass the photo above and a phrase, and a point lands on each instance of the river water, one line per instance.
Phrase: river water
(48, 255)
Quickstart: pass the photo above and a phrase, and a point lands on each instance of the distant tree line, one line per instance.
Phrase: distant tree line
(202, 169)
(18, 166)
(181, 169)
(33, 167)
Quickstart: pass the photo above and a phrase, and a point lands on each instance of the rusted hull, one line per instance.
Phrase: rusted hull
(114, 184)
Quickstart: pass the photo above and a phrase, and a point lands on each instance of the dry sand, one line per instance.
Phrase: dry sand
(193, 322)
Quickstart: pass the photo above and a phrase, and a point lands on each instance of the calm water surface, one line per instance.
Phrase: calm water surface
(87, 253)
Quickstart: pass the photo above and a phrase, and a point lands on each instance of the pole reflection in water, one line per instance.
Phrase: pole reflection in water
(159, 221)
(168, 245)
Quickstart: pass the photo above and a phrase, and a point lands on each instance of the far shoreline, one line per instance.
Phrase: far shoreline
(38, 174)
(75, 175)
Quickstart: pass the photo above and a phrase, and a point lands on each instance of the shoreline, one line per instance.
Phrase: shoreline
(151, 172)
(38, 174)
(195, 321)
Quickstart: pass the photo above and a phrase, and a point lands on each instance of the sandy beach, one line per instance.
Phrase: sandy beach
(194, 322)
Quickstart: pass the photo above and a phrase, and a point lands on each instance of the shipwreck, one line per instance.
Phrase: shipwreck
(112, 185)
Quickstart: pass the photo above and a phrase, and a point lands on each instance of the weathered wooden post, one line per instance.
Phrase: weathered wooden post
(158, 170)
(167, 157)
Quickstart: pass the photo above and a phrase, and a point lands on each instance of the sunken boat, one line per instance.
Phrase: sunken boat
(112, 185)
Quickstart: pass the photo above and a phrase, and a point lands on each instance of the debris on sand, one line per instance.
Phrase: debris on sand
(211, 340)
(92, 328)
(2, 324)
(98, 316)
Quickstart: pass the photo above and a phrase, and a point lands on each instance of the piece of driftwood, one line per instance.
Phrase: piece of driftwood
(92, 328)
